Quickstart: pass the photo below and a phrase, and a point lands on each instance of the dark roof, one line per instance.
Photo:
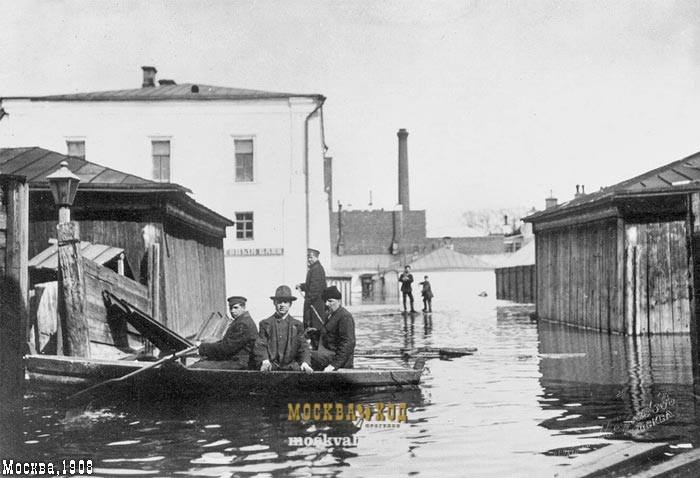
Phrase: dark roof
(171, 92)
(36, 163)
(678, 177)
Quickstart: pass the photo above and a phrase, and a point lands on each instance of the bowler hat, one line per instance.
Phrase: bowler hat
(236, 299)
(313, 251)
(331, 292)
(283, 292)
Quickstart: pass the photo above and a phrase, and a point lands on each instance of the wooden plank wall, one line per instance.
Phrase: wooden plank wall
(194, 280)
(657, 292)
(124, 234)
(578, 280)
(517, 283)
(99, 278)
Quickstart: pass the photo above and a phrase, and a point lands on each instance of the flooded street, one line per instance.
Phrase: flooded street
(533, 399)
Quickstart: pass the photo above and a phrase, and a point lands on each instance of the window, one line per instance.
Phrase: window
(161, 160)
(244, 225)
(244, 160)
(75, 148)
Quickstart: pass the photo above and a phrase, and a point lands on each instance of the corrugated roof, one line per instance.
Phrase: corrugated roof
(447, 259)
(36, 163)
(48, 258)
(182, 92)
(677, 177)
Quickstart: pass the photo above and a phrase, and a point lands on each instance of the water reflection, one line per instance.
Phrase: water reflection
(205, 437)
(598, 381)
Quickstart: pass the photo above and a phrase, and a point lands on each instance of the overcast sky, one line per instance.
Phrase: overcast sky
(503, 100)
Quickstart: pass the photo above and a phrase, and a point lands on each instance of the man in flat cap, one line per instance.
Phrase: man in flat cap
(336, 348)
(235, 350)
(281, 344)
(312, 289)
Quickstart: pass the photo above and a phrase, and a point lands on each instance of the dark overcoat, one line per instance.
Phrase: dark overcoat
(406, 282)
(295, 349)
(237, 345)
(427, 291)
(338, 336)
(313, 292)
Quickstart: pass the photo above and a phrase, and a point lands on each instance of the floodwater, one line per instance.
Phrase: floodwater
(531, 401)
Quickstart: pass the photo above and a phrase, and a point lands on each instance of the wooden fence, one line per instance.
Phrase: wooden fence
(517, 284)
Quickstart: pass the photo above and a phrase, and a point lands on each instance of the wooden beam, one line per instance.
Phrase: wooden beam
(574, 219)
(14, 207)
(198, 223)
(693, 232)
(619, 306)
(71, 288)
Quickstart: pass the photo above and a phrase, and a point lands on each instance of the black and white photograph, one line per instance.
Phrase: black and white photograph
(357, 238)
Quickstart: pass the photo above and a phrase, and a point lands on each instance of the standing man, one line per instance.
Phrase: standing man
(281, 344)
(427, 294)
(312, 289)
(235, 350)
(406, 279)
(336, 348)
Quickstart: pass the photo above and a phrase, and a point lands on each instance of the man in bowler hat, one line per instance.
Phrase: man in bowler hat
(312, 289)
(336, 347)
(281, 344)
(235, 350)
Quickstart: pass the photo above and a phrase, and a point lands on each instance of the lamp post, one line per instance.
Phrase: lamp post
(64, 185)
(74, 334)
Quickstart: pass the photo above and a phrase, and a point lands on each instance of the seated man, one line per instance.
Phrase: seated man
(235, 350)
(337, 343)
(281, 344)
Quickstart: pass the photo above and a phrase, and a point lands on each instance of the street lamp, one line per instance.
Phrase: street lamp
(64, 185)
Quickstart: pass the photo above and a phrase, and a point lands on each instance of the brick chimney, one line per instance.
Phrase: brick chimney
(149, 76)
(403, 169)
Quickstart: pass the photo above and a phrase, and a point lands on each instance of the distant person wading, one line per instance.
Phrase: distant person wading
(406, 279)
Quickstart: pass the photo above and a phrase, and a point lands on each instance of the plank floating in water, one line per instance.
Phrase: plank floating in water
(427, 352)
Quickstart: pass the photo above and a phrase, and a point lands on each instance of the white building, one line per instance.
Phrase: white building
(253, 156)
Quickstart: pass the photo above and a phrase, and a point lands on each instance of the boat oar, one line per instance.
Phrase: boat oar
(158, 363)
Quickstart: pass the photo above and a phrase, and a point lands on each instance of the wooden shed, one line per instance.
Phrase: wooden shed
(139, 216)
(624, 259)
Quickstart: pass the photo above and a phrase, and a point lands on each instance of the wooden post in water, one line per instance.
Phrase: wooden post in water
(71, 290)
(14, 227)
(693, 232)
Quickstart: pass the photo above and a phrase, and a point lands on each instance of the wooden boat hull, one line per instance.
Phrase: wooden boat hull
(72, 374)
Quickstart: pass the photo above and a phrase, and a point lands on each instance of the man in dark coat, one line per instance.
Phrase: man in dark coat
(235, 350)
(406, 279)
(337, 343)
(427, 294)
(312, 289)
(281, 344)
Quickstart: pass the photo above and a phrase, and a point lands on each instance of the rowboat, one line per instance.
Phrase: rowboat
(72, 374)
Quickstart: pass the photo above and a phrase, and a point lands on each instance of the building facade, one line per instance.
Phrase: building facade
(254, 156)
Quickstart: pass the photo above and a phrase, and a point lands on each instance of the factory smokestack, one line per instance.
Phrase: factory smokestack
(403, 169)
